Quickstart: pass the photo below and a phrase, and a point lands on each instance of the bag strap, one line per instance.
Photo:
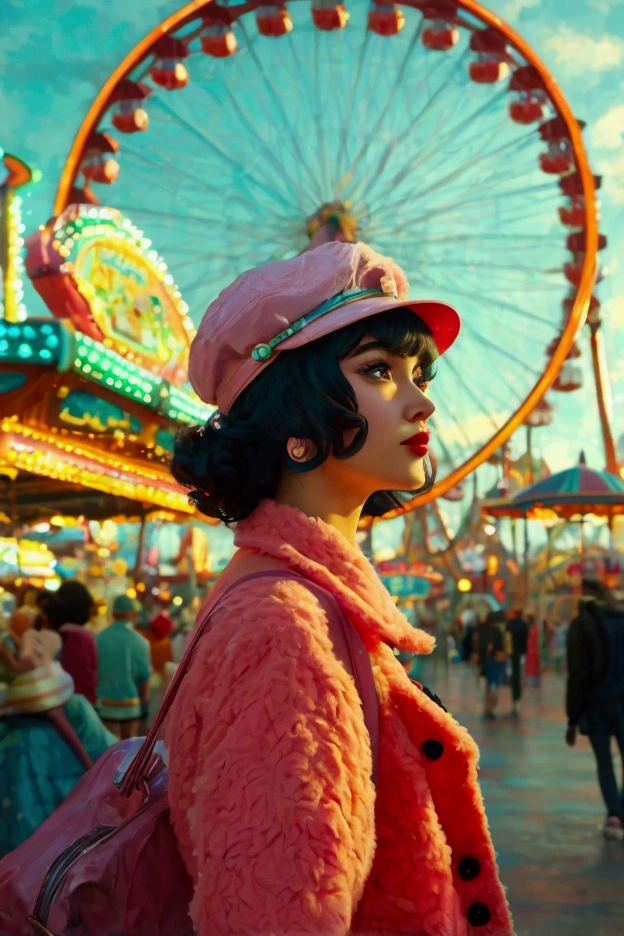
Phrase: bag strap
(139, 769)
(66, 730)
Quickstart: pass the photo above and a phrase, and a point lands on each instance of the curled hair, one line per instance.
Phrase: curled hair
(303, 393)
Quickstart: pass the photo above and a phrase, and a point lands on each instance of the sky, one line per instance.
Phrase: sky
(55, 54)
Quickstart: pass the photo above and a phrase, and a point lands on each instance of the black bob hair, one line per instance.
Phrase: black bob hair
(304, 394)
(72, 603)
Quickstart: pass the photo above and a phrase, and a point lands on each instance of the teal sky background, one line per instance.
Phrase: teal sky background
(55, 55)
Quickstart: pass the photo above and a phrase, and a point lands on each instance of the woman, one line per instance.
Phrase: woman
(49, 736)
(67, 611)
(319, 367)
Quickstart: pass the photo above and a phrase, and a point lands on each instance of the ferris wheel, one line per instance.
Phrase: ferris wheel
(235, 132)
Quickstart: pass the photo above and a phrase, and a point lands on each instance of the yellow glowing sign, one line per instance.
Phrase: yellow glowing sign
(464, 585)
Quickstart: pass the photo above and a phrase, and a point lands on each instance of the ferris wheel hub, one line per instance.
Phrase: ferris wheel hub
(332, 221)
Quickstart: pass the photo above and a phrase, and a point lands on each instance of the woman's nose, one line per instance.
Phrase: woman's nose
(420, 406)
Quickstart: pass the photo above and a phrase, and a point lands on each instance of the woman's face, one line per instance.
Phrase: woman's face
(390, 391)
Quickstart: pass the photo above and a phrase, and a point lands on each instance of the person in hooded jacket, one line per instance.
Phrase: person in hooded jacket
(299, 806)
(595, 690)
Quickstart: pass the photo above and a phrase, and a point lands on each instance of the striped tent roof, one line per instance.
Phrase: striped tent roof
(577, 490)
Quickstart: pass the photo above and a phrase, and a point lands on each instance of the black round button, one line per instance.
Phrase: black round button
(433, 749)
(478, 914)
(469, 869)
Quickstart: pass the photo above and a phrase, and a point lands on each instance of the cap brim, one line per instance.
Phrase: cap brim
(440, 317)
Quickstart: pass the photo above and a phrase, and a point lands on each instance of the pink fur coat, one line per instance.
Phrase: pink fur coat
(270, 788)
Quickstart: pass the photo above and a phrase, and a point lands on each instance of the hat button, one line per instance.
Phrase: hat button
(262, 352)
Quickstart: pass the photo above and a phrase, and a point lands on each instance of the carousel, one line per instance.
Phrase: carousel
(91, 399)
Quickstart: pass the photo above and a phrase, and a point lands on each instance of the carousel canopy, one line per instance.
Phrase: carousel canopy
(577, 490)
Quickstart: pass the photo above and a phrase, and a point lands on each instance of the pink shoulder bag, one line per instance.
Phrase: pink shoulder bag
(106, 862)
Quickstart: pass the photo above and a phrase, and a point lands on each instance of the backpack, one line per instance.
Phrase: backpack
(106, 862)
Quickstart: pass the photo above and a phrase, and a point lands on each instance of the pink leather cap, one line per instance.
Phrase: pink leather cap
(259, 315)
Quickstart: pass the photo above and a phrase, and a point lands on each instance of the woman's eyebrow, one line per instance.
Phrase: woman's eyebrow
(369, 346)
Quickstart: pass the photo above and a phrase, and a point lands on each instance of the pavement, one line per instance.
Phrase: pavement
(544, 809)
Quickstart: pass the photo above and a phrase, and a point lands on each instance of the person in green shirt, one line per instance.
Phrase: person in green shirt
(124, 670)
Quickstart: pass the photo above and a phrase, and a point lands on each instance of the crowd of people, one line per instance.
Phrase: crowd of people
(588, 651)
(65, 683)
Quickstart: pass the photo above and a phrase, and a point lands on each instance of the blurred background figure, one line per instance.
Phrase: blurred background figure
(49, 735)
(67, 611)
(468, 621)
(557, 646)
(124, 670)
(595, 690)
(518, 631)
(490, 655)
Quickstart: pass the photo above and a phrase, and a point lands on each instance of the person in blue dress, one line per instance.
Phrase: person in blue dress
(49, 735)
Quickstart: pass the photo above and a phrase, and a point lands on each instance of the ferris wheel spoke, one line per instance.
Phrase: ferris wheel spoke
(454, 176)
(384, 108)
(268, 83)
(505, 196)
(503, 352)
(318, 118)
(476, 295)
(227, 157)
(166, 221)
(369, 183)
(411, 167)
(498, 241)
(259, 144)
(345, 133)
(456, 423)
(299, 70)
(472, 199)
(472, 389)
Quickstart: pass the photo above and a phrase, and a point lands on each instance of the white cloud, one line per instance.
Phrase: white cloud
(581, 55)
(613, 172)
(513, 8)
(608, 131)
(602, 6)
(478, 428)
(613, 309)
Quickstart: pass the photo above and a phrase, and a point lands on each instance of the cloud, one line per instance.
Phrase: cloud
(613, 172)
(513, 8)
(582, 56)
(608, 131)
(602, 6)
(613, 309)
(478, 428)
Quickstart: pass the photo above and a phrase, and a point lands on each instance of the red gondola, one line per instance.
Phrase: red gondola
(438, 30)
(98, 164)
(492, 59)
(167, 69)
(274, 20)
(328, 15)
(386, 19)
(528, 105)
(129, 116)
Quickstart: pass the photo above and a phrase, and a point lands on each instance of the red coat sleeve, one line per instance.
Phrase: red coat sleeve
(270, 771)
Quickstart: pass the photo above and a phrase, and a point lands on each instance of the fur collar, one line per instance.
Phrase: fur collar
(322, 554)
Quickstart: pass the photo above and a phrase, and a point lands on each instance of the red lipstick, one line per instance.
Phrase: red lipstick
(418, 444)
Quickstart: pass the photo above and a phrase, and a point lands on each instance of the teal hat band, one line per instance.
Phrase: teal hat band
(262, 352)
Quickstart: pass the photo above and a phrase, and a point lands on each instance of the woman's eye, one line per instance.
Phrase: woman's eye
(379, 371)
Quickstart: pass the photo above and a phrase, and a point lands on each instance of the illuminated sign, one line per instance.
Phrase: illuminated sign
(93, 266)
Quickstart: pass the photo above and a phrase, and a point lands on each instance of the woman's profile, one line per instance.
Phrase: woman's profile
(300, 807)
